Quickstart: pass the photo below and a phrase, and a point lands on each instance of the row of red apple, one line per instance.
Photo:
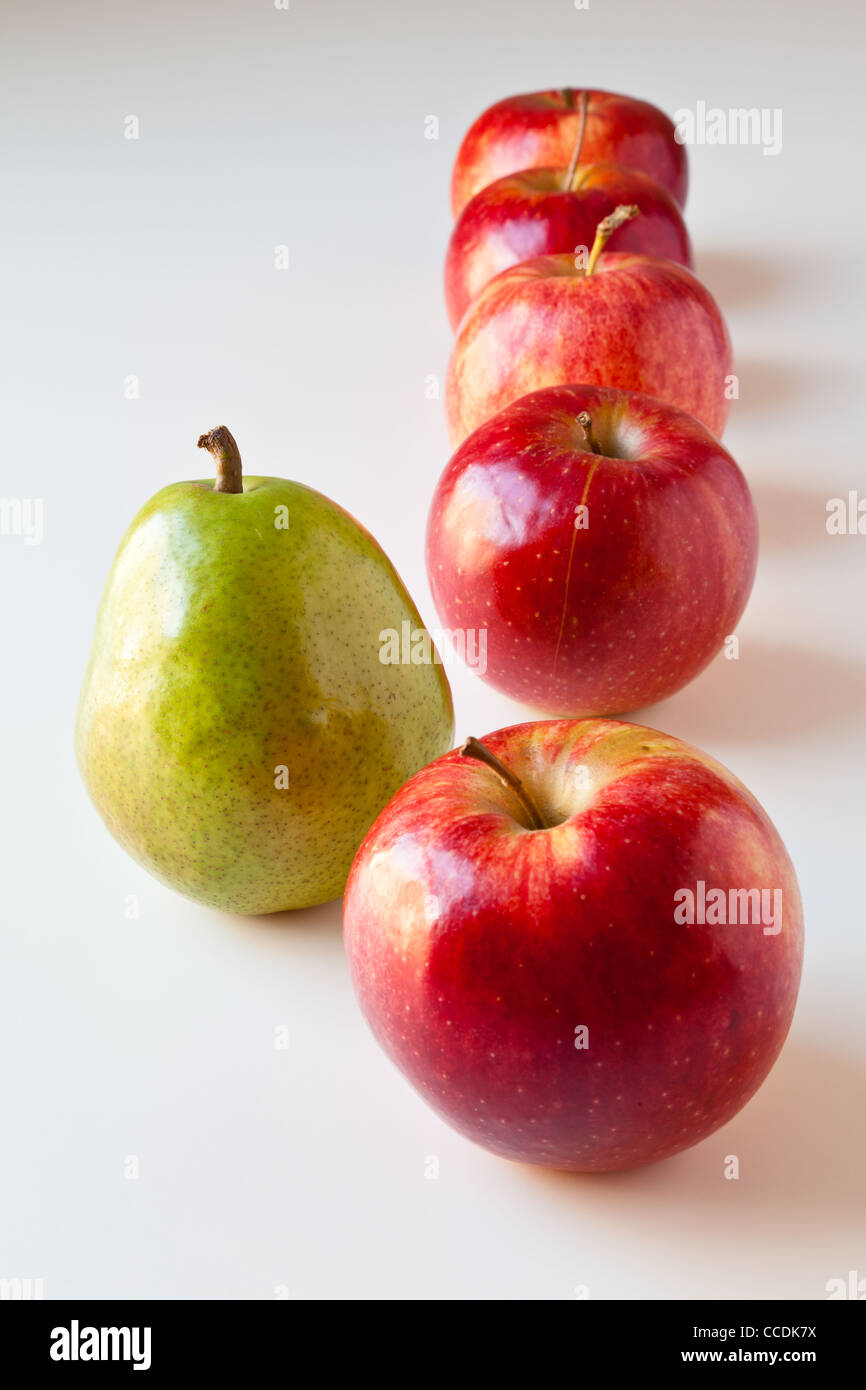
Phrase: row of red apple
(510, 918)
(606, 568)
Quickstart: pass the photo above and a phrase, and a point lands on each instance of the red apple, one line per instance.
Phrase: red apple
(604, 580)
(520, 943)
(539, 130)
(618, 319)
(535, 213)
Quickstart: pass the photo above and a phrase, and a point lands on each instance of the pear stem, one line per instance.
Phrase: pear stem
(584, 419)
(578, 144)
(221, 444)
(606, 228)
(472, 748)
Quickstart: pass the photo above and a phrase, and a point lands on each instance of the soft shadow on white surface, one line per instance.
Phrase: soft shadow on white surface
(311, 937)
(770, 693)
(766, 385)
(816, 389)
(801, 1145)
(324, 920)
(737, 278)
(791, 518)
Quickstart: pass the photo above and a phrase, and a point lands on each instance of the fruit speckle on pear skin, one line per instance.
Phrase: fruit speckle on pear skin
(229, 647)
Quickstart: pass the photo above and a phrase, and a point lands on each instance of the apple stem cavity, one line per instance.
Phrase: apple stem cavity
(584, 419)
(473, 748)
(220, 442)
(606, 228)
(578, 144)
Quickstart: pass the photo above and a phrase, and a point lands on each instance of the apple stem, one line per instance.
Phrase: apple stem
(584, 419)
(227, 457)
(472, 748)
(606, 228)
(578, 144)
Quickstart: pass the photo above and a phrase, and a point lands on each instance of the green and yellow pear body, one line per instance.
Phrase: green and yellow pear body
(237, 731)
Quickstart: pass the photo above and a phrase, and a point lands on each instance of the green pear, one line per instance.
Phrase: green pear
(239, 729)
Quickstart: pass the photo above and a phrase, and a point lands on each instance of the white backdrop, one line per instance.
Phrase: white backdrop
(303, 1170)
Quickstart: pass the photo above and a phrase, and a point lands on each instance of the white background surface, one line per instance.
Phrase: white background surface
(154, 1038)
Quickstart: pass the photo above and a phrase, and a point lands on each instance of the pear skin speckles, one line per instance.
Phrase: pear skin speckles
(237, 730)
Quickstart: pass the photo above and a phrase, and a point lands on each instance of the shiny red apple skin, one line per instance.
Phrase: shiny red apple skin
(540, 129)
(606, 617)
(477, 947)
(530, 214)
(637, 322)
